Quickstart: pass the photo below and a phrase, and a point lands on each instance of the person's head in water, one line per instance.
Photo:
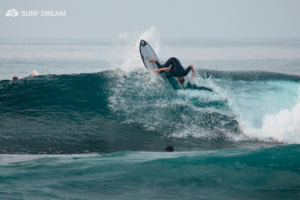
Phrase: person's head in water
(169, 149)
(180, 80)
(15, 78)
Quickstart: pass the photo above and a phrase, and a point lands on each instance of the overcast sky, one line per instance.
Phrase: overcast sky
(173, 19)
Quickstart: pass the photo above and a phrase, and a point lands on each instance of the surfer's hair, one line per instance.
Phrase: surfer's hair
(181, 79)
(169, 149)
(15, 78)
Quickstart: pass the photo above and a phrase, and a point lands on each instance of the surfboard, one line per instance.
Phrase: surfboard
(147, 53)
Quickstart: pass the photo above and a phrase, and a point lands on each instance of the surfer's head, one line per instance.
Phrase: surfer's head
(15, 78)
(169, 149)
(180, 80)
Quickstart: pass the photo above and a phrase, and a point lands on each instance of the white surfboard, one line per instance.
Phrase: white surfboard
(147, 53)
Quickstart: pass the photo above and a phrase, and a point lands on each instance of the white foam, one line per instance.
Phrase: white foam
(154, 104)
(132, 56)
(6, 159)
(283, 126)
(142, 97)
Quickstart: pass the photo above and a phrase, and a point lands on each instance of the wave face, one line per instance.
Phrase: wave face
(117, 110)
(263, 173)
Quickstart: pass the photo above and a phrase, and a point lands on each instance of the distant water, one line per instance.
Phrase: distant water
(96, 126)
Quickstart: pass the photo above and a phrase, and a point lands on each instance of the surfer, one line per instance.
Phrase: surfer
(176, 69)
(169, 149)
(34, 73)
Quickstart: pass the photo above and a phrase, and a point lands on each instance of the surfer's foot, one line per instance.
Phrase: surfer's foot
(152, 60)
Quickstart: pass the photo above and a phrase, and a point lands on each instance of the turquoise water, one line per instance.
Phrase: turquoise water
(263, 173)
(97, 125)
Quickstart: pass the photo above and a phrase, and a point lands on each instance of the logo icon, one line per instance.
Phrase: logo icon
(12, 13)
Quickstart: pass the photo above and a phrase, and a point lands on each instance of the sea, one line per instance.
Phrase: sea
(94, 123)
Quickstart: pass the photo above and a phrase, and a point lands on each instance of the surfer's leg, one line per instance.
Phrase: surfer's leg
(169, 62)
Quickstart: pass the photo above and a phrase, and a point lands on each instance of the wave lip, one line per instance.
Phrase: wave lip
(282, 127)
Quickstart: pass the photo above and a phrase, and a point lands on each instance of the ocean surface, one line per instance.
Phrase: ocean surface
(94, 124)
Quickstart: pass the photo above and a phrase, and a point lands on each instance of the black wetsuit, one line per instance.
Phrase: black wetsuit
(176, 69)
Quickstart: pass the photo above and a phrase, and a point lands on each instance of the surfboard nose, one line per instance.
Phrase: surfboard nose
(143, 43)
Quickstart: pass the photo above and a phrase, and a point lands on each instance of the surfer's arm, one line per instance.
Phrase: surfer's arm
(188, 70)
(194, 75)
(162, 69)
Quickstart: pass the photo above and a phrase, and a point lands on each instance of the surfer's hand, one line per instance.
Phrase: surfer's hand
(194, 75)
(152, 60)
(156, 70)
